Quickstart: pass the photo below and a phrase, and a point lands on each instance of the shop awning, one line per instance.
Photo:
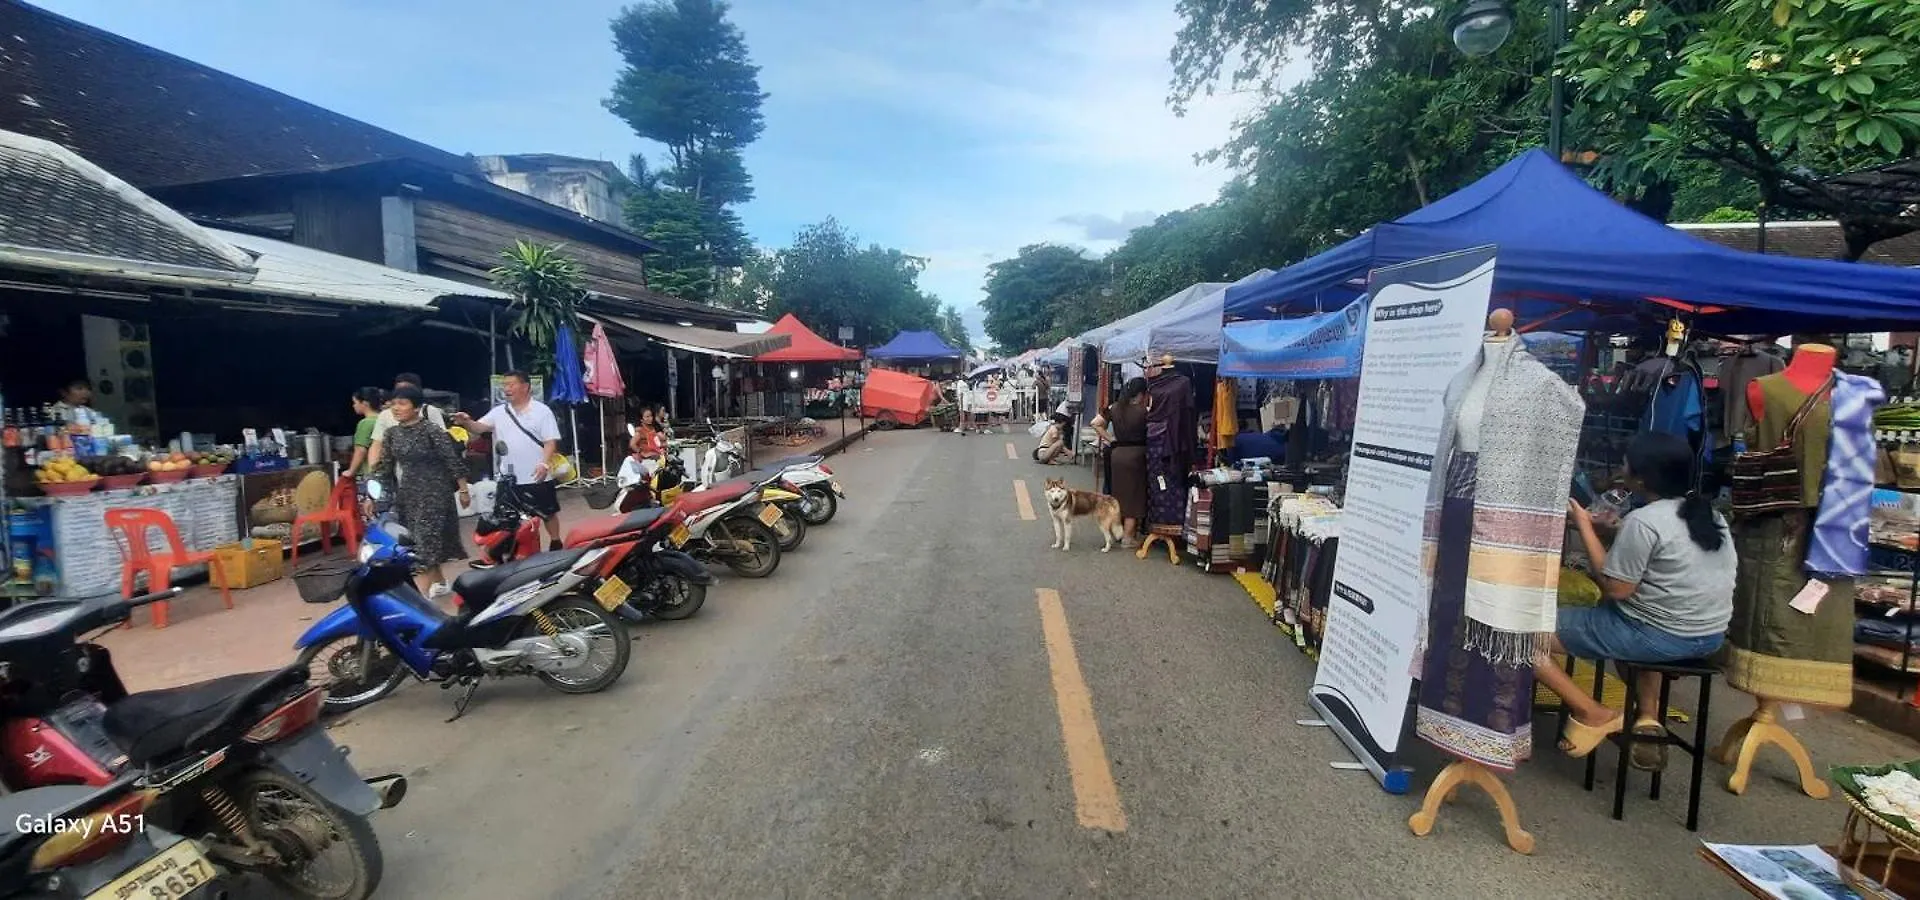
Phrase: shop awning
(727, 344)
(806, 346)
(303, 273)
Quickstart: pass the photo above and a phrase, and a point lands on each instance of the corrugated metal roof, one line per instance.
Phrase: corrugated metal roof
(60, 212)
(293, 271)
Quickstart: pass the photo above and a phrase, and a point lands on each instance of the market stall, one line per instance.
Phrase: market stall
(821, 378)
(920, 352)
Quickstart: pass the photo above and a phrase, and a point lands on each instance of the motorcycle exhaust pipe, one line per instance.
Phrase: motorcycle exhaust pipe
(390, 788)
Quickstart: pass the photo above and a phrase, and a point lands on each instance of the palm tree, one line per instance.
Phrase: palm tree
(547, 287)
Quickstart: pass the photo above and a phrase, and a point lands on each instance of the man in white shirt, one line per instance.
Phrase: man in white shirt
(525, 436)
(963, 403)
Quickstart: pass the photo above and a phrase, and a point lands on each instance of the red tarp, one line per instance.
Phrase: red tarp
(905, 398)
(806, 346)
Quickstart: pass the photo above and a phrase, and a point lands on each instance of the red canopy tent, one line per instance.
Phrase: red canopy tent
(805, 347)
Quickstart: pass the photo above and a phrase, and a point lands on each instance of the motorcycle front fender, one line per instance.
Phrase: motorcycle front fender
(341, 622)
(314, 759)
(673, 562)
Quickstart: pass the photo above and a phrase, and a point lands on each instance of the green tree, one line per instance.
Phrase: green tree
(1025, 293)
(828, 280)
(953, 329)
(749, 286)
(547, 288)
(689, 85)
(1778, 92)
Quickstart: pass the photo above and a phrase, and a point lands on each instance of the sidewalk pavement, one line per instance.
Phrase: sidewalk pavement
(206, 640)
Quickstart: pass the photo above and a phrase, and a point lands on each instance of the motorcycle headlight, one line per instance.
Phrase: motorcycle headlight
(366, 552)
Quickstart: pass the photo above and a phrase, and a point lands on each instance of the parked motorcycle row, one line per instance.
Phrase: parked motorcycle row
(179, 792)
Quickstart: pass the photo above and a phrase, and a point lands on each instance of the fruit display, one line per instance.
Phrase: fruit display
(168, 462)
(113, 466)
(63, 470)
(208, 464)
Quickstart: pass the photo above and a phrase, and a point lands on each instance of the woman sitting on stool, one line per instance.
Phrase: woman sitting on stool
(1053, 444)
(1666, 595)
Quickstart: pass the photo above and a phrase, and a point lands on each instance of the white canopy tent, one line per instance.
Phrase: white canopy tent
(1189, 334)
(1097, 336)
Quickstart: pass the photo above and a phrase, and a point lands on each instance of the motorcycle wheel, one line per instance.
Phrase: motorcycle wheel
(302, 826)
(766, 547)
(820, 506)
(790, 529)
(687, 596)
(347, 687)
(607, 635)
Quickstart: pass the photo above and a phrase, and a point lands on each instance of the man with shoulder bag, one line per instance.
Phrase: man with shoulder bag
(526, 437)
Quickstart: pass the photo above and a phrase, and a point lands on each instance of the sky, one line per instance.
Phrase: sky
(956, 130)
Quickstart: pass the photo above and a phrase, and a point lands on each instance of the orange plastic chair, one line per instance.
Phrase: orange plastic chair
(339, 512)
(130, 526)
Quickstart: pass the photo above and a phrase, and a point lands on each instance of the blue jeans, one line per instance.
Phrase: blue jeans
(1607, 632)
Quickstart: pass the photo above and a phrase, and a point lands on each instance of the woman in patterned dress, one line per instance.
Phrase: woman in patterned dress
(422, 470)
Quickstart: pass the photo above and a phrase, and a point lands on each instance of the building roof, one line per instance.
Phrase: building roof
(59, 212)
(303, 273)
(1807, 240)
(157, 119)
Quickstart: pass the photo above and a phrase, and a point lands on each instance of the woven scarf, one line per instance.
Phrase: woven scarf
(1838, 546)
(1529, 433)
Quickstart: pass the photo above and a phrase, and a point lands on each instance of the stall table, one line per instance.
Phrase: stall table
(87, 555)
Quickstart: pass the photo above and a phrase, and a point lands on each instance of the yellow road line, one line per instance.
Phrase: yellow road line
(1011, 453)
(1023, 501)
(1096, 799)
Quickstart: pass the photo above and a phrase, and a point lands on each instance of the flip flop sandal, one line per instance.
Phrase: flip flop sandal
(1649, 757)
(1579, 738)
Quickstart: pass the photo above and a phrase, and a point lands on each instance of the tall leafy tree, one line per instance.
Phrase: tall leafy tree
(1777, 92)
(1025, 293)
(953, 329)
(689, 85)
(829, 280)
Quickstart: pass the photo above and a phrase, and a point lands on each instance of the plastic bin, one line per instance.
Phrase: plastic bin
(252, 565)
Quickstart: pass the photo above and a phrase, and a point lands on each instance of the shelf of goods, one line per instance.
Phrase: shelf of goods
(88, 554)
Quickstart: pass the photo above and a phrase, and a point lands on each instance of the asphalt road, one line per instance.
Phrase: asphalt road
(904, 710)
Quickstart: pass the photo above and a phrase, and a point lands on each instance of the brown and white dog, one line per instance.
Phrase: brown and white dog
(1066, 504)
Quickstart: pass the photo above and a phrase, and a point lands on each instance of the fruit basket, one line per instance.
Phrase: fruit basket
(206, 470)
(169, 476)
(122, 482)
(69, 488)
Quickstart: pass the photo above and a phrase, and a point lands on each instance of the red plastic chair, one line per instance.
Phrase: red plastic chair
(339, 512)
(130, 526)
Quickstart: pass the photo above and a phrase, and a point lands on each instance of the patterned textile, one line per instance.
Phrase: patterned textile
(1528, 436)
(1774, 650)
(1839, 543)
(429, 466)
(1172, 439)
(1469, 706)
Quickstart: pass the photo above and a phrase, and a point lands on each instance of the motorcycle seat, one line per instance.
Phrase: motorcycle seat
(608, 526)
(720, 494)
(196, 717)
(478, 589)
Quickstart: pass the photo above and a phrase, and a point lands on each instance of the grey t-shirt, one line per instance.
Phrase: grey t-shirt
(1680, 588)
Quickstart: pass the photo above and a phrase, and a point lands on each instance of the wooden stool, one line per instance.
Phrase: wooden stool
(1624, 740)
(1167, 534)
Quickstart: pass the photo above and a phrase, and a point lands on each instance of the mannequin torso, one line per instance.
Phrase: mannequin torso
(1811, 366)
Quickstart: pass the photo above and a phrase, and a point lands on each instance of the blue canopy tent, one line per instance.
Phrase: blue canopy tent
(1575, 256)
(916, 345)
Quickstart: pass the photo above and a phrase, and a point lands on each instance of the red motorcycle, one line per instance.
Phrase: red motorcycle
(644, 575)
(240, 760)
(511, 531)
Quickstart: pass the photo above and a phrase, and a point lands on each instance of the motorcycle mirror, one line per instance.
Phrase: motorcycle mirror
(376, 490)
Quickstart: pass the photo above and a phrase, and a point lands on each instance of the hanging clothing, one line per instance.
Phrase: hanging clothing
(1679, 406)
(1172, 440)
(1469, 706)
(1527, 438)
(1226, 413)
(1839, 543)
(1773, 650)
(1735, 373)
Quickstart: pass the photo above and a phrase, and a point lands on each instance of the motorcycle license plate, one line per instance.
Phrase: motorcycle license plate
(837, 489)
(174, 873)
(770, 514)
(612, 593)
(680, 536)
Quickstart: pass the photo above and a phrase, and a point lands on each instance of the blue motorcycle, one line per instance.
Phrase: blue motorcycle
(533, 616)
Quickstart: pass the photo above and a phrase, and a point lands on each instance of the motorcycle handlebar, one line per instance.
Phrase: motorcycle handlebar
(144, 599)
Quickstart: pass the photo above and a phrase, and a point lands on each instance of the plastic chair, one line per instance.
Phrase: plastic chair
(338, 512)
(130, 526)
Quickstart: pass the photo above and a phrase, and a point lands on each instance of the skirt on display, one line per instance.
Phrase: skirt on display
(1773, 650)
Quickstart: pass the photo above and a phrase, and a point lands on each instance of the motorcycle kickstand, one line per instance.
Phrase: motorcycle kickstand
(466, 697)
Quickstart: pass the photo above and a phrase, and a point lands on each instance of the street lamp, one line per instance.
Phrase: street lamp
(1482, 26)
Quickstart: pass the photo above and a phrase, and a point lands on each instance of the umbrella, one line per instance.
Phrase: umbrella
(987, 369)
(568, 386)
(603, 373)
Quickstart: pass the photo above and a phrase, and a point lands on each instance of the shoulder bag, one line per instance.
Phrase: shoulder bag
(1769, 481)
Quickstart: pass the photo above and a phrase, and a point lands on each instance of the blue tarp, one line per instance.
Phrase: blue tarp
(915, 345)
(1562, 244)
(1322, 345)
